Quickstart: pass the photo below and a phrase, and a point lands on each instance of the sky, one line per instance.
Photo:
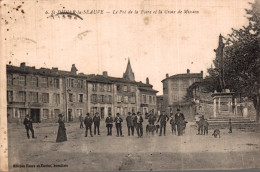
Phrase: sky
(156, 44)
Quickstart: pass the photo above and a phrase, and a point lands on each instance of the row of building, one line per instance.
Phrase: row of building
(44, 93)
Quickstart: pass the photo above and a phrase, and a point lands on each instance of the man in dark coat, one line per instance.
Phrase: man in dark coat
(109, 124)
(118, 120)
(138, 121)
(180, 122)
(151, 119)
(163, 118)
(28, 126)
(130, 123)
(96, 120)
(88, 123)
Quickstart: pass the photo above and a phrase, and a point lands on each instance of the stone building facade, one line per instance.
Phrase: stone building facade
(175, 89)
(44, 93)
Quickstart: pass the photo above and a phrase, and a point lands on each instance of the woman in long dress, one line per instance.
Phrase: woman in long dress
(61, 136)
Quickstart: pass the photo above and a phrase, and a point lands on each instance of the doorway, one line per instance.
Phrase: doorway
(35, 115)
(70, 115)
(102, 111)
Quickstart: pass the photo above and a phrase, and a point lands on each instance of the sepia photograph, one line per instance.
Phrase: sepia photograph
(95, 85)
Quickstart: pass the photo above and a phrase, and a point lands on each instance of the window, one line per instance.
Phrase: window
(21, 96)
(93, 110)
(102, 87)
(9, 96)
(33, 97)
(109, 99)
(45, 97)
(132, 99)
(93, 98)
(150, 99)
(154, 100)
(119, 99)
(133, 88)
(118, 88)
(144, 98)
(133, 110)
(175, 86)
(34, 81)
(56, 83)
(109, 88)
(44, 82)
(80, 98)
(109, 110)
(125, 88)
(70, 97)
(102, 99)
(46, 113)
(56, 113)
(22, 113)
(9, 79)
(126, 99)
(94, 87)
(21, 80)
(175, 98)
(71, 82)
(80, 83)
(56, 98)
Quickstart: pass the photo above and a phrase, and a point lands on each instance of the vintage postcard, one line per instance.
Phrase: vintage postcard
(151, 85)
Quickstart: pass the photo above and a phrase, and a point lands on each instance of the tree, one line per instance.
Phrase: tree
(242, 59)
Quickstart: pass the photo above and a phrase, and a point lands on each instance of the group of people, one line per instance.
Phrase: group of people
(133, 121)
(203, 126)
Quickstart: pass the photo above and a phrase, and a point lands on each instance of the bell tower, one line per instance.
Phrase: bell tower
(129, 74)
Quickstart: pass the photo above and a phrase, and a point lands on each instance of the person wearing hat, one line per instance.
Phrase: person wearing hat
(28, 126)
(61, 136)
(96, 120)
(109, 124)
(180, 121)
(130, 123)
(173, 124)
(88, 123)
(118, 120)
(138, 120)
(163, 118)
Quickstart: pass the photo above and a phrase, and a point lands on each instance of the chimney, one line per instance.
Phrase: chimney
(167, 75)
(22, 65)
(105, 73)
(147, 80)
(188, 70)
(201, 72)
(73, 69)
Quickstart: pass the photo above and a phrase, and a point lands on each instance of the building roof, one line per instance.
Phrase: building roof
(147, 89)
(185, 75)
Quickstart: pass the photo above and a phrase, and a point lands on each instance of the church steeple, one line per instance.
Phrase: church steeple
(129, 74)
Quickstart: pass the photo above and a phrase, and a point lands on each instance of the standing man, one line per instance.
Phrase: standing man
(96, 120)
(118, 121)
(109, 124)
(180, 120)
(130, 123)
(28, 126)
(81, 120)
(163, 118)
(88, 123)
(139, 124)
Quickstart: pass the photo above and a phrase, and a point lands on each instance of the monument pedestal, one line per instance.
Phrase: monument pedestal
(224, 104)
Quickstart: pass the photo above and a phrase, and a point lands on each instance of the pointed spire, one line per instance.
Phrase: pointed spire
(129, 74)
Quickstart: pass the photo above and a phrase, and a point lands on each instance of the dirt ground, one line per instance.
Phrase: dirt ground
(239, 150)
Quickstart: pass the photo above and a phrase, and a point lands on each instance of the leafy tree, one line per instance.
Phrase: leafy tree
(242, 59)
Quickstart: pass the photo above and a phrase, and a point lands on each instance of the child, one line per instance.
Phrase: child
(206, 126)
(173, 124)
(230, 125)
